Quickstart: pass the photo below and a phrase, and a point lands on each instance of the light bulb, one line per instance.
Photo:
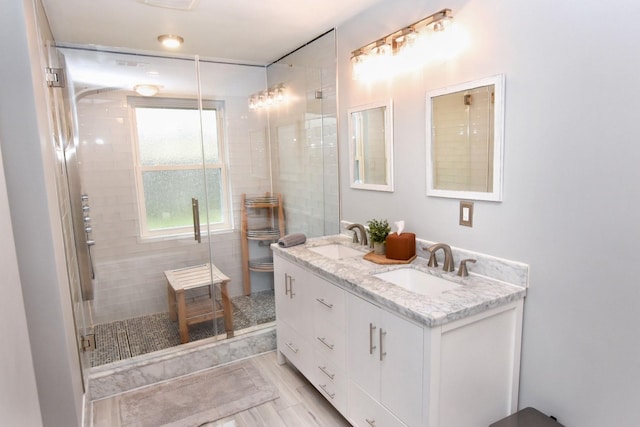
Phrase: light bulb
(170, 41)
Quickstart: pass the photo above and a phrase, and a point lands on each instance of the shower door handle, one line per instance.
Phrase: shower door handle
(196, 219)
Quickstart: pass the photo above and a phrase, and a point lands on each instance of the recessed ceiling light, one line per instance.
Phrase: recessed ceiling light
(146, 90)
(170, 41)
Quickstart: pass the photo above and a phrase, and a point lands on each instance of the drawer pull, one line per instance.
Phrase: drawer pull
(371, 346)
(290, 345)
(323, 302)
(372, 423)
(324, 371)
(323, 341)
(324, 388)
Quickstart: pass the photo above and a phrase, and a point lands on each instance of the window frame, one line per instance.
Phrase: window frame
(189, 104)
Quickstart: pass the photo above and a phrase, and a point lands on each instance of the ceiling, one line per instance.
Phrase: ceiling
(244, 31)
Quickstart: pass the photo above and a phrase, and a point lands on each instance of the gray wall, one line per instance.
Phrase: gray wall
(571, 180)
(30, 179)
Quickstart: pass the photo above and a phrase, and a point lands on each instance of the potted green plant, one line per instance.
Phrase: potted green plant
(378, 232)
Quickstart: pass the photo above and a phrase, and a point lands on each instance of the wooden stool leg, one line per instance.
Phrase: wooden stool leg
(182, 317)
(228, 311)
(172, 303)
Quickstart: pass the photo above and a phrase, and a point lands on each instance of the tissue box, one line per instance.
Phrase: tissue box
(402, 246)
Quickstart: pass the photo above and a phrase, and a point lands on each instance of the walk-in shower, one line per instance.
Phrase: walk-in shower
(147, 135)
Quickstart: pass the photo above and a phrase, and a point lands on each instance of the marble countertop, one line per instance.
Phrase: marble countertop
(477, 293)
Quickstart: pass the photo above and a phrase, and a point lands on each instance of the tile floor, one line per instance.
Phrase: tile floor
(299, 404)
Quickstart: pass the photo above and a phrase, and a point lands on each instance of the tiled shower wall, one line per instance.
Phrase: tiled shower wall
(129, 278)
(304, 148)
(129, 271)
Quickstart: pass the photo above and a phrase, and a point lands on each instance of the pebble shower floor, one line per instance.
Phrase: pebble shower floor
(128, 338)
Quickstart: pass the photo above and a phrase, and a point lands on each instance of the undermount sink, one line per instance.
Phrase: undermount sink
(336, 251)
(417, 281)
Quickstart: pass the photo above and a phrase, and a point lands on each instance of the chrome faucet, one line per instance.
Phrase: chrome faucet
(448, 256)
(363, 233)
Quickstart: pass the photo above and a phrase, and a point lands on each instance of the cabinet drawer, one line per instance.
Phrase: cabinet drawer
(328, 302)
(366, 412)
(329, 340)
(294, 347)
(331, 381)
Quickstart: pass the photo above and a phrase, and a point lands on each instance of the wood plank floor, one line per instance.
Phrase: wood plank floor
(299, 404)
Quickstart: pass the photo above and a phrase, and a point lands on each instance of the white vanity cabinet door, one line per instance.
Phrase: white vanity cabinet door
(384, 358)
(363, 360)
(294, 322)
(292, 290)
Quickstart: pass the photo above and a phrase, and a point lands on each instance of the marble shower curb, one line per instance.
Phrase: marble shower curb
(119, 377)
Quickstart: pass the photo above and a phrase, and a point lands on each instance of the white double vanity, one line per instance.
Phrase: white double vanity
(387, 354)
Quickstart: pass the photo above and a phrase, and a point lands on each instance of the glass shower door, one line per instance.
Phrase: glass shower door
(141, 160)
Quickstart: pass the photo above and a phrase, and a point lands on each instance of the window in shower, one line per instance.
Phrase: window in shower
(179, 155)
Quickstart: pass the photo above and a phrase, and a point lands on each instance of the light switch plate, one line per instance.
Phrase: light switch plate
(466, 213)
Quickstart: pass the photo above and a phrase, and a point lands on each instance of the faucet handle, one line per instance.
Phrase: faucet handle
(462, 271)
(432, 257)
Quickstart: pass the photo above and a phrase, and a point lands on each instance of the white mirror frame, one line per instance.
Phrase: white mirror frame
(388, 138)
(498, 140)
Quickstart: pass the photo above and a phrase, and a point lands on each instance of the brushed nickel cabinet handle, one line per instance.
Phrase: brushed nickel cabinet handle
(371, 346)
(290, 345)
(323, 341)
(291, 294)
(382, 353)
(286, 284)
(327, 373)
(324, 388)
(323, 302)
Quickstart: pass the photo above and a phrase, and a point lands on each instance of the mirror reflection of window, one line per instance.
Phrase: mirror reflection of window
(463, 140)
(371, 146)
(369, 139)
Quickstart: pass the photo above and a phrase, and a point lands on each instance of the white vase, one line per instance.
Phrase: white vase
(379, 248)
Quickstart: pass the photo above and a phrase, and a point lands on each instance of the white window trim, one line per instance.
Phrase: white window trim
(181, 232)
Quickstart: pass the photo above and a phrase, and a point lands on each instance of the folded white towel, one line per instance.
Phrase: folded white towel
(292, 240)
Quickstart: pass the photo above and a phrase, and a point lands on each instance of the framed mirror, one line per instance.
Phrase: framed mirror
(465, 137)
(371, 146)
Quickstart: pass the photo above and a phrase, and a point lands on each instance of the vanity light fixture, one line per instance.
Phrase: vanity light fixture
(170, 41)
(378, 56)
(146, 90)
(268, 98)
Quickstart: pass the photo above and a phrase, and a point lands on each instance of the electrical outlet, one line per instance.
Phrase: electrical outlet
(466, 213)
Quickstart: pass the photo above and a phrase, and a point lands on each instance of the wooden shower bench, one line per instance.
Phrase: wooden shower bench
(189, 310)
